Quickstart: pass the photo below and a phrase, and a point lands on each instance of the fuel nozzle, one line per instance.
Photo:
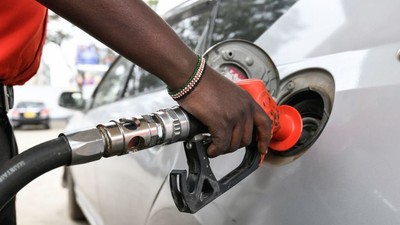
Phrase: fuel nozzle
(132, 134)
(193, 189)
(286, 121)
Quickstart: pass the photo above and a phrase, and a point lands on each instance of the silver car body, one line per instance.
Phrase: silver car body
(349, 175)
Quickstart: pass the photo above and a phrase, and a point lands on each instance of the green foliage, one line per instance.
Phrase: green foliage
(152, 3)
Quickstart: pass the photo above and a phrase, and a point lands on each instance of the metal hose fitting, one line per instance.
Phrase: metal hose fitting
(133, 134)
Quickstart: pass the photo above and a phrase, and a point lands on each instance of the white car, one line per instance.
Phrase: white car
(338, 64)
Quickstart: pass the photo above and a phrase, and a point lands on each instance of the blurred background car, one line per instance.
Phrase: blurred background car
(338, 64)
(30, 113)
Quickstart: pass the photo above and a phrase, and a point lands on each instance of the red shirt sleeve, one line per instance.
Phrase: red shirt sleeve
(22, 35)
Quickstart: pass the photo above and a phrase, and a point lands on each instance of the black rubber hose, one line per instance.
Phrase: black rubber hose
(30, 164)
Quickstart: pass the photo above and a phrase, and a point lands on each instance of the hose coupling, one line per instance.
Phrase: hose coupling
(132, 134)
(141, 132)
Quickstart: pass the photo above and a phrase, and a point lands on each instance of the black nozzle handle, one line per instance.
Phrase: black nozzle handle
(194, 190)
(195, 126)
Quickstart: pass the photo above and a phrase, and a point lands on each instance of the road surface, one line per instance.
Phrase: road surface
(43, 201)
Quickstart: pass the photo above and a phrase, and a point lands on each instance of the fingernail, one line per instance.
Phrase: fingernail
(262, 156)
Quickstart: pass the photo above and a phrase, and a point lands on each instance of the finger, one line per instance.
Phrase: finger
(247, 135)
(262, 125)
(237, 135)
(242, 135)
(220, 143)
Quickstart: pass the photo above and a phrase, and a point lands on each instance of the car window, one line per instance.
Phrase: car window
(142, 81)
(112, 86)
(189, 26)
(238, 19)
(30, 105)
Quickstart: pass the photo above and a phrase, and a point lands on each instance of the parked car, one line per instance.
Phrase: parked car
(338, 63)
(30, 113)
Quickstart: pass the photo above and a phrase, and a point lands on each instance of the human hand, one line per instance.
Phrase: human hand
(229, 112)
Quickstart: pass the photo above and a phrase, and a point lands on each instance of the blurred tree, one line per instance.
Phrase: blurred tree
(58, 29)
(152, 3)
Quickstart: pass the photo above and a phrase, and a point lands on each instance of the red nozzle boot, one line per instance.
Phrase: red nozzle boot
(286, 121)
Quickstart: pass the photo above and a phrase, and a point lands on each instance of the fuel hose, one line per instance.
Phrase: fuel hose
(30, 164)
(112, 139)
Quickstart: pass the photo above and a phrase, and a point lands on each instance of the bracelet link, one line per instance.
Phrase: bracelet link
(192, 82)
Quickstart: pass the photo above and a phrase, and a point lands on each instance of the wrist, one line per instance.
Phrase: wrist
(191, 83)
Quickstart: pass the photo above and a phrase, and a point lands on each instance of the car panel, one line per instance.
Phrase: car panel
(315, 28)
(347, 176)
(355, 69)
(87, 195)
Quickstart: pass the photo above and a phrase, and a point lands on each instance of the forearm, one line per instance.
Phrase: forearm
(135, 31)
